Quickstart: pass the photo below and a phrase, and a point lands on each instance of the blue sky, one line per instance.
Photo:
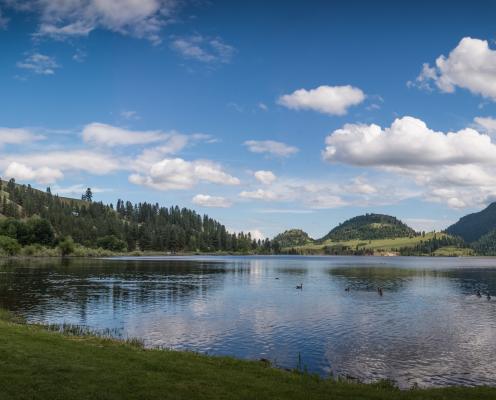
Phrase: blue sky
(266, 117)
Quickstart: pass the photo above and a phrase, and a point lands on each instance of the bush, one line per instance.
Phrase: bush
(10, 246)
(66, 246)
(112, 243)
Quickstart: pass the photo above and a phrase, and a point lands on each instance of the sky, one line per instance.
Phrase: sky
(264, 115)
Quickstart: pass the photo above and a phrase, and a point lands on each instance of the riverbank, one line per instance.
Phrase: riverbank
(39, 364)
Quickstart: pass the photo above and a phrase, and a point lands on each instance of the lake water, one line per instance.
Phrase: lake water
(429, 328)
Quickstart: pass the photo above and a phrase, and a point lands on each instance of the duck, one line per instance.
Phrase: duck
(478, 293)
(348, 289)
(300, 286)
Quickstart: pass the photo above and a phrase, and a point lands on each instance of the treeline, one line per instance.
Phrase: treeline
(429, 246)
(127, 227)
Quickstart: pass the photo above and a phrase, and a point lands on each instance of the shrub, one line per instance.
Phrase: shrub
(10, 246)
(66, 246)
(112, 243)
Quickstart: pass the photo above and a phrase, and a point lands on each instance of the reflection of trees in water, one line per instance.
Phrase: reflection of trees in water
(391, 278)
(54, 285)
(388, 278)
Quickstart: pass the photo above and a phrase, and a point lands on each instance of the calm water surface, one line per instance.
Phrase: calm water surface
(428, 328)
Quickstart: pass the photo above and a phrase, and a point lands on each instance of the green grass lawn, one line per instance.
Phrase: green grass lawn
(38, 364)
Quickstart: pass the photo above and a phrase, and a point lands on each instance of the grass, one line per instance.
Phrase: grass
(376, 245)
(36, 363)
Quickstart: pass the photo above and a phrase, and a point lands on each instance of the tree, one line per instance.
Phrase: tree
(88, 195)
(9, 245)
(66, 246)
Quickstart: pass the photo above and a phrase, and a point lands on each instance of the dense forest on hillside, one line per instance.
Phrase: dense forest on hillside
(473, 227)
(127, 227)
(369, 227)
(292, 237)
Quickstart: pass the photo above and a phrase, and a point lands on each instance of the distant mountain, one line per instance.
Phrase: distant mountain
(292, 237)
(472, 227)
(369, 227)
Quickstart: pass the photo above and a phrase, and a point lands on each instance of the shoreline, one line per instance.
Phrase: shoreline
(39, 363)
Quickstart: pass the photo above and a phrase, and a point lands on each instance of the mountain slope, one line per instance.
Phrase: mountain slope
(143, 226)
(369, 227)
(472, 227)
(292, 237)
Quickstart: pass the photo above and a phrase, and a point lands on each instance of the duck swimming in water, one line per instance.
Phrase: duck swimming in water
(300, 286)
(348, 289)
(478, 293)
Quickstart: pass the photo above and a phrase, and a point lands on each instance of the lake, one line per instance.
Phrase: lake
(428, 328)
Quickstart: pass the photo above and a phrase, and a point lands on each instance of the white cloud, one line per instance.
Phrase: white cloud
(130, 114)
(332, 100)
(203, 49)
(108, 135)
(486, 124)
(60, 19)
(455, 168)
(205, 200)
(176, 173)
(263, 106)
(76, 190)
(408, 142)
(265, 177)
(17, 136)
(39, 64)
(470, 65)
(259, 194)
(92, 162)
(270, 147)
(43, 175)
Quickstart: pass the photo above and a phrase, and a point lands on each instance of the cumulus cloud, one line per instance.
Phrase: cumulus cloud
(39, 64)
(486, 124)
(456, 168)
(176, 173)
(270, 147)
(108, 135)
(17, 136)
(265, 177)
(470, 65)
(332, 100)
(22, 172)
(203, 49)
(408, 142)
(205, 200)
(60, 19)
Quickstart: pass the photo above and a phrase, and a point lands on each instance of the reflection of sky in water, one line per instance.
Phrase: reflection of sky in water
(428, 328)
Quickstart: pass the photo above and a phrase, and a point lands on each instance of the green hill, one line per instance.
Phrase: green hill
(473, 227)
(292, 237)
(369, 227)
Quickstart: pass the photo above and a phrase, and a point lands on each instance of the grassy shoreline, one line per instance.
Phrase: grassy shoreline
(36, 363)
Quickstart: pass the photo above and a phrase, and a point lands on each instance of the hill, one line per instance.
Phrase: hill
(473, 227)
(369, 227)
(30, 214)
(292, 237)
